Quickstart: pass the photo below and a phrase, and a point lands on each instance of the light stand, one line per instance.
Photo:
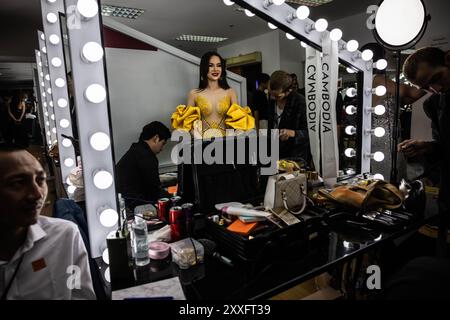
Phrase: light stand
(409, 28)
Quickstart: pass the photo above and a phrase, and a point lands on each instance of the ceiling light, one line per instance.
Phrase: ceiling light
(196, 38)
(121, 12)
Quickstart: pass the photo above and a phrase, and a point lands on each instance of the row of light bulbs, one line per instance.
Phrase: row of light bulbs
(91, 52)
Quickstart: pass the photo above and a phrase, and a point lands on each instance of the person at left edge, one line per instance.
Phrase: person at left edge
(138, 170)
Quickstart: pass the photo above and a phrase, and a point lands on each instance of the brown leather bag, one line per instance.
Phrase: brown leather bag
(378, 194)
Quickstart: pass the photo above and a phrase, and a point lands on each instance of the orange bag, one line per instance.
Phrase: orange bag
(378, 194)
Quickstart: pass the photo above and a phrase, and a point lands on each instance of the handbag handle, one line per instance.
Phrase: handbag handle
(287, 207)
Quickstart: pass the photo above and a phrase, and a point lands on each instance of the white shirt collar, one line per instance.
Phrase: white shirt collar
(34, 234)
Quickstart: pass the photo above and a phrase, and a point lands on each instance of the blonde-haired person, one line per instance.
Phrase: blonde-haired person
(287, 112)
(212, 107)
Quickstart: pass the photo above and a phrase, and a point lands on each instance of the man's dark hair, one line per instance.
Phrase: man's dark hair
(435, 57)
(155, 128)
(262, 78)
(9, 147)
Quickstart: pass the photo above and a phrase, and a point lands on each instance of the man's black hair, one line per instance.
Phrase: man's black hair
(155, 128)
(10, 147)
(262, 78)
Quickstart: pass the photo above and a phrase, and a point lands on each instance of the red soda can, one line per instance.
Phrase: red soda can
(163, 209)
(175, 201)
(177, 223)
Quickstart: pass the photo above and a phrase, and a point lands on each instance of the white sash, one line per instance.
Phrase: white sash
(313, 101)
(328, 125)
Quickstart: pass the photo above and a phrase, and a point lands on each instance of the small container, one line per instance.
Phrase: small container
(176, 201)
(140, 244)
(188, 210)
(158, 250)
(187, 253)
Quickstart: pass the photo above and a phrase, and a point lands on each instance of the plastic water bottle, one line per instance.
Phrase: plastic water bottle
(140, 244)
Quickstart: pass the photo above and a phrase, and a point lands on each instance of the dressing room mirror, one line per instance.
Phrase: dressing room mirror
(150, 70)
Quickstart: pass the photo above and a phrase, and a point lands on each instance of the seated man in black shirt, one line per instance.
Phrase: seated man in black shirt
(137, 171)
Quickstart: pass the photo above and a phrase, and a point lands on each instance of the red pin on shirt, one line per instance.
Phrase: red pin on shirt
(38, 264)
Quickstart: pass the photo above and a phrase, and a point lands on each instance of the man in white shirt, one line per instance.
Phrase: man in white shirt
(40, 257)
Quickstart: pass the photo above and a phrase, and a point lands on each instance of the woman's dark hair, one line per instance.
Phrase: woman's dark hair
(280, 80)
(204, 68)
(155, 128)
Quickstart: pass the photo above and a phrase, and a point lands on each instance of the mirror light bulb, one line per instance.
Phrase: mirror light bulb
(107, 275)
(44, 49)
(105, 256)
(108, 218)
(51, 103)
(42, 37)
(381, 64)
(68, 162)
(350, 152)
(54, 39)
(336, 34)
(321, 25)
(54, 130)
(350, 110)
(380, 91)
(52, 117)
(103, 179)
(64, 123)
(351, 92)
(71, 189)
(290, 36)
(95, 93)
(378, 176)
(52, 18)
(302, 12)
(60, 82)
(47, 77)
(92, 52)
(66, 142)
(367, 55)
(278, 2)
(249, 13)
(379, 110)
(378, 156)
(56, 62)
(99, 141)
(350, 130)
(42, 84)
(49, 91)
(87, 8)
(352, 46)
(62, 103)
(46, 113)
(379, 132)
(228, 2)
(272, 26)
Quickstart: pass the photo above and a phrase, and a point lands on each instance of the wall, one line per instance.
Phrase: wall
(147, 86)
(267, 44)
(292, 56)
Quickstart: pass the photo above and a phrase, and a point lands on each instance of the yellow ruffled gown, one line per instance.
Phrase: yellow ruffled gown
(196, 119)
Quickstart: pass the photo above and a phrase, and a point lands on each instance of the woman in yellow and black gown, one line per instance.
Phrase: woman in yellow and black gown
(212, 107)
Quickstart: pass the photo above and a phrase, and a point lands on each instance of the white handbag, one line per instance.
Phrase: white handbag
(286, 191)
